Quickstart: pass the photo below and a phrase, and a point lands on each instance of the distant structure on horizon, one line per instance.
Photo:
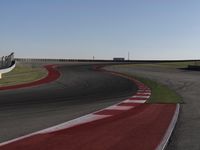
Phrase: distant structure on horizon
(118, 59)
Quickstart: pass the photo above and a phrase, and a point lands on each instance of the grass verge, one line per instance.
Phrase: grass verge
(23, 74)
(160, 93)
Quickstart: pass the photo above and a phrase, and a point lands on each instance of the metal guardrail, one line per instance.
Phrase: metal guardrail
(6, 61)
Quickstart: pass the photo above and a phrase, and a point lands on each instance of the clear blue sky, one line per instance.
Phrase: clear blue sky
(148, 29)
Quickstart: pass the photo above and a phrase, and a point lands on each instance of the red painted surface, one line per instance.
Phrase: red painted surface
(142, 95)
(141, 128)
(130, 104)
(53, 74)
(137, 98)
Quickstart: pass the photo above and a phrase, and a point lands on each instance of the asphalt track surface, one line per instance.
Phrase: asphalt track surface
(80, 90)
(186, 135)
(139, 128)
(121, 126)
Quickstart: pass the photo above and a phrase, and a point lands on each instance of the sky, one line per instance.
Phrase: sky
(81, 29)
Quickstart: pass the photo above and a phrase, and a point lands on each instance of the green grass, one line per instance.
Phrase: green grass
(23, 74)
(160, 92)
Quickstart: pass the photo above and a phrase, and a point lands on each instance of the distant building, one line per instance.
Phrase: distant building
(118, 59)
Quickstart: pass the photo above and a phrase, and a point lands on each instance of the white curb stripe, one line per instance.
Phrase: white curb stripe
(90, 117)
(144, 93)
(140, 97)
(149, 91)
(78, 121)
(82, 120)
(134, 101)
(170, 129)
(115, 107)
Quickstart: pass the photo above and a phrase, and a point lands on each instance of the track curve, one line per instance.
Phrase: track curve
(186, 83)
(53, 74)
(79, 90)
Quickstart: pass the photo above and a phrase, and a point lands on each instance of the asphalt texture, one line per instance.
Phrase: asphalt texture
(80, 90)
(140, 128)
(186, 135)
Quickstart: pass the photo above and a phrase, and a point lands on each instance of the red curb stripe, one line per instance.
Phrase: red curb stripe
(122, 129)
(130, 130)
(53, 74)
(142, 94)
(137, 98)
(129, 104)
(145, 91)
(109, 112)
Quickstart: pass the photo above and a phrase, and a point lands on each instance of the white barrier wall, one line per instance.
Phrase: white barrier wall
(7, 64)
(2, 71)
(6, 61)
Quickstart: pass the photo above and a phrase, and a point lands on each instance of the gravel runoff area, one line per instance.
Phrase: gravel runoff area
(187, 84)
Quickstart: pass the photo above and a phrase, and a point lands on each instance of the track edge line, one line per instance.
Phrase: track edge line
(167, 136)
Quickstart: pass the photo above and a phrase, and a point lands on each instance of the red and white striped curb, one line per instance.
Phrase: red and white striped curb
(142, 95)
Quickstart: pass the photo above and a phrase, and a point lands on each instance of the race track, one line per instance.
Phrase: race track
(186, 83)
(80, 90)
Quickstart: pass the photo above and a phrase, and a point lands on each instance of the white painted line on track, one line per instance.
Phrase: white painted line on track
(134, 101)
(90, 117)
(146, 93)
(17, 139)
(140, 97)
(115, 107)
(82, 120)
(170, 129)
(78, 121)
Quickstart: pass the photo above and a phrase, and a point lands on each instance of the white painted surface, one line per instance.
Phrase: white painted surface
(82, 120)
(78, 121)
(115, 107)
(141, 97)
(146, 93)
(134, 101)
(170, 129)
(2, 71)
